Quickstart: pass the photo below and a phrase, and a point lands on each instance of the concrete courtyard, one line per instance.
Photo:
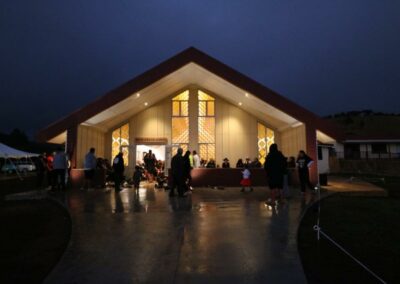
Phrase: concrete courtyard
(212, 236)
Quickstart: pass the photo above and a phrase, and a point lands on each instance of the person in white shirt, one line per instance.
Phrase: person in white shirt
(90, 165)
(60, 165)
(196, 160)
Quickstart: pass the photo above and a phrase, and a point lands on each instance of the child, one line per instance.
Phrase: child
(137, 177)
(246, 181)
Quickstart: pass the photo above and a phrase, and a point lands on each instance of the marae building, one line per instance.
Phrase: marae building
(195, 102)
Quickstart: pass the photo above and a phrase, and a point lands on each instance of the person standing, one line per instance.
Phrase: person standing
(177, 171)
(40, 170)
(60, 165)
(275, 168)
(186, 171)
(49, 170)
(150, 165)
(303, 164)
(118, 168)
(90, 165)
(196, 160)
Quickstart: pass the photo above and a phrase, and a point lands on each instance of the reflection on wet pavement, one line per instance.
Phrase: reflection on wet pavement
(211, 236)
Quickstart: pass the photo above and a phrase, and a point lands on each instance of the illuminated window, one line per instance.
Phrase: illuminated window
(206, 125)
(120, 138)
(180, 122)
(266, 138)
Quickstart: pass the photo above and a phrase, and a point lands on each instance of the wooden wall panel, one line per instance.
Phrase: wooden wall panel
(89, 137)
(292, 140)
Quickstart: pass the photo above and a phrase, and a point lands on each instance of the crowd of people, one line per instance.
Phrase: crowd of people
(276, 168)
(56, 168)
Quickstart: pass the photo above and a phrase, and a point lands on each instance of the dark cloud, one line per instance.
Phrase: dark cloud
(328, 56)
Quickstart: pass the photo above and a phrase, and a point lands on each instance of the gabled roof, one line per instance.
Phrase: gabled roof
(190, 55)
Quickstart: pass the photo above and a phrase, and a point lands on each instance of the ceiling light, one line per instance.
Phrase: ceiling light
(146, 104)
(138, 95)
(240, 103)
(247, 95)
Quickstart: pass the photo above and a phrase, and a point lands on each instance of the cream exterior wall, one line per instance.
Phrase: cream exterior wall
(236, 133)
(292, 140)
(235, 130)
(323, 164)
(87, 138)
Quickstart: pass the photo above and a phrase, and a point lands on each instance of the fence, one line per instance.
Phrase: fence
(367, 155)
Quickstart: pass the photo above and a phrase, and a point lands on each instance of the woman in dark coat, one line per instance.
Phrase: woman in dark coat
(275, 167)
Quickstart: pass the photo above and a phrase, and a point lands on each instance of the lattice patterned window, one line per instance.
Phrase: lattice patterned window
(206, 125)
(180, 122)
(266, 138)
(120, 137)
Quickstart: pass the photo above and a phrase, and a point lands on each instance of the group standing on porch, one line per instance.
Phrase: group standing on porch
(276, 168)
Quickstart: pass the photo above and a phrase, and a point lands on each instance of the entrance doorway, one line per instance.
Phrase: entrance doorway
(142, 150)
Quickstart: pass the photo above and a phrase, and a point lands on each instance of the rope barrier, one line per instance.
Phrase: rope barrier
(319, 231)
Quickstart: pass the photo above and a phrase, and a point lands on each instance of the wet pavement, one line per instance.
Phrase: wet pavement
(212, 236)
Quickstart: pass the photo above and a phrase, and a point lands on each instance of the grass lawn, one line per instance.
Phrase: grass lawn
(368, 227)
(391, 184)
(34, 234)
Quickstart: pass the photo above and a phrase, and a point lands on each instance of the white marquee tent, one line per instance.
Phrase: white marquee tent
(8, 152)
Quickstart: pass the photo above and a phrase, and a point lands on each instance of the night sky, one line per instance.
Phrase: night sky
(328, 56)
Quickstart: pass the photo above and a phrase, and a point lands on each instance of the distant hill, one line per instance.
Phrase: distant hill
(368, 124)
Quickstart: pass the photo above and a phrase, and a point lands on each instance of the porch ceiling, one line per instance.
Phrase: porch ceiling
(190, 74)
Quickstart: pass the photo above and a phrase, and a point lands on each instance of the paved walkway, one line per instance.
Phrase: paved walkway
(212, 236)
(354, 186)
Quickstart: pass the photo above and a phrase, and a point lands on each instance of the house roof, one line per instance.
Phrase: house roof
(190, 55)
(375, 137)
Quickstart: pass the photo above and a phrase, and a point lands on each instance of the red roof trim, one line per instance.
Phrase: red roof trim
(174, 63)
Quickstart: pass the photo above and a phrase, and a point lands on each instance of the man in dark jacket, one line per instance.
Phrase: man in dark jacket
(178, 173)
(118, 168)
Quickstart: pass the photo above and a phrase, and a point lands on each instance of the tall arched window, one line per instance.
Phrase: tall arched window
(120, 138)
(206, 126)
(266, 138)
(180, 121)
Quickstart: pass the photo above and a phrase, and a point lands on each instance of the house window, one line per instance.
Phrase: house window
(379, 148)
(266, 138)
(120, 138)
(206, 125)
(180, 122)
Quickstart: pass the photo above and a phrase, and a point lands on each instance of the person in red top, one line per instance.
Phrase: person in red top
(49, 170)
